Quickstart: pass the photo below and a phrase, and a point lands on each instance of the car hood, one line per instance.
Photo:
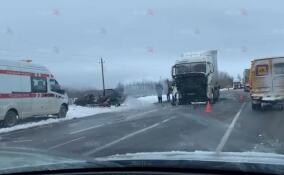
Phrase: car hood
(231, 161)
(234, 157)
(14, 160)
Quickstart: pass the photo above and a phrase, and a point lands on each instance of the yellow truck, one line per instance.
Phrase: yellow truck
(267, 81)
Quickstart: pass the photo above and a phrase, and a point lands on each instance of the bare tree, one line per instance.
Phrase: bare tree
(225, 80)
(239, 78)
(120, 88)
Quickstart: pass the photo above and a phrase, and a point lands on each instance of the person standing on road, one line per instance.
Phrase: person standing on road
(159, 91)
(170, 90)
(174, 94)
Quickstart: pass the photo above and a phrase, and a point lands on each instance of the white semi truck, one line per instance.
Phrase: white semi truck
(195, 76)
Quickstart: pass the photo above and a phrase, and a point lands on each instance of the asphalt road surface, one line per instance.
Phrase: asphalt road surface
(232, 126)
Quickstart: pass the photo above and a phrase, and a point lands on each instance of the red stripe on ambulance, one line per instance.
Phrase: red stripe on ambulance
(20, 73)
(26, 95)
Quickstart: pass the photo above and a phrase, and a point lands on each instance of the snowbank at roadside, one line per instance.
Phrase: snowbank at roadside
(74, 112)
(80, 112)
(151, 99)
(226, 89)
(30, 125)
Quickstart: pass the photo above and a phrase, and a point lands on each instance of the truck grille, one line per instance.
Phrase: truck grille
(192, 87)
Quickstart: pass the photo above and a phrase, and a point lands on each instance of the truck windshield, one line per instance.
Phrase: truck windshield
(190, 68)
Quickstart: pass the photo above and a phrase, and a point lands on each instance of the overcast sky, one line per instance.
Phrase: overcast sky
(137, 39)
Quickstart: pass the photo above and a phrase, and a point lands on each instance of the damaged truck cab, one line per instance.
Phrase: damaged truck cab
(195, 76)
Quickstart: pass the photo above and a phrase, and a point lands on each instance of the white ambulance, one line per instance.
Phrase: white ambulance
(28, 90)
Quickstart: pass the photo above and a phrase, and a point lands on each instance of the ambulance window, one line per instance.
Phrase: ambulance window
(261, 70)
(54, 86)
(279, 68)
(39, 85)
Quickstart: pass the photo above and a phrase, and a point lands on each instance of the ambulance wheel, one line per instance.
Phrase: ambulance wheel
(10, 119)
(62, 112)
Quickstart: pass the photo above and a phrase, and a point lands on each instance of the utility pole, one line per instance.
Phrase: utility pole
(103, 76)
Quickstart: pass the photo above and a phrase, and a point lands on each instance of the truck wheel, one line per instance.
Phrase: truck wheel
(62, 112)
(256, 107)
(11, 119)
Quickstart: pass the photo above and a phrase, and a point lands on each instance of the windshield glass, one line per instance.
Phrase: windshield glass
(54, 85)
(190, 68)
(97, 79)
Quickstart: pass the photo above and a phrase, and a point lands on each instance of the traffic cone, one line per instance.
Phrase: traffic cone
(208, 107)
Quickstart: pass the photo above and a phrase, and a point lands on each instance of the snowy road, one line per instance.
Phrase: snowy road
(231, 127)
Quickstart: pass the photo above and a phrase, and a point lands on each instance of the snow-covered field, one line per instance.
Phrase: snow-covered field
(151, 99)
(74, 112)
(80, 112)
(226, 89)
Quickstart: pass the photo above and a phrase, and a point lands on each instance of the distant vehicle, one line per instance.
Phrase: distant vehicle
(237, 85)
(29, 90)
(195, 76)
(112, 98)
(246, 83)
(267, 81)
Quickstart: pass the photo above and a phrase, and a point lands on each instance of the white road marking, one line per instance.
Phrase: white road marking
(12, 133)
(86, 129)
(141, 114)
(131, 117)
(125, 137)
(20, 141)
(198, 103)
(164, 121)
(175, 108)
(65, 143)
(229, 130)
